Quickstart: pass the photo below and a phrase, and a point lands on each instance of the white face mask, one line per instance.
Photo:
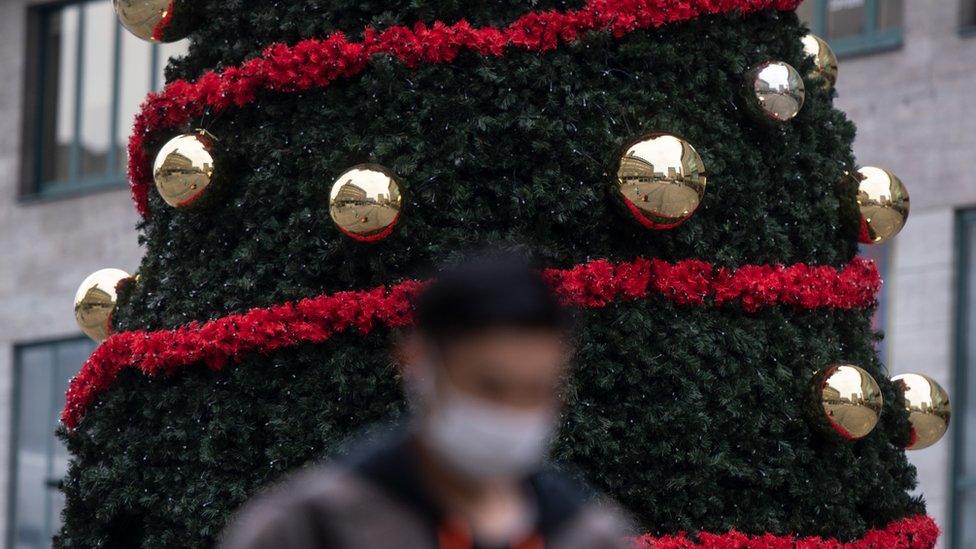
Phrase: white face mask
(483, 440)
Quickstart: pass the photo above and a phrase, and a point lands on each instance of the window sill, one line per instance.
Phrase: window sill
(857, 46)
(73, 190)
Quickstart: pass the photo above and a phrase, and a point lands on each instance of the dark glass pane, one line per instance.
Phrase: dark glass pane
(890, 14)
(846, 18)
(967, 14)
(97, 88)
(968, 415)
(34, 440)
(69, 357)
(59, 74)
(43, 375)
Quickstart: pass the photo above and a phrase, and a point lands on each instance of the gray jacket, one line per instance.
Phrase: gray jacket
(377, 502)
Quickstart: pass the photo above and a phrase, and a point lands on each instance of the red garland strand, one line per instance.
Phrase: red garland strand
(919, 532)
(159, 31)
(591, 285)
(316, 63)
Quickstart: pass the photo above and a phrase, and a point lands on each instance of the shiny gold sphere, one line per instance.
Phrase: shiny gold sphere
(660, 180)
(883, 201)
(775, 91)
(95, 301)
(365, 202)
(845, 401)
(150, 20)
(184, 169)
(928, 409)
(824, 59)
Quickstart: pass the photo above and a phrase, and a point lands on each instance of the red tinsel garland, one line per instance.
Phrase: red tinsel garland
(159, 31)
(316, 63)
(919, 532)
(591, 285)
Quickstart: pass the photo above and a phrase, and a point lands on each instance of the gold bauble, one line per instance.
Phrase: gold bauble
(95, 301)
(845, 400)
(150, 20)
(775, 91)
(660, 180)
(883, 201)
(365, 202)
(928, 409)
(184, 169)
(824, 59)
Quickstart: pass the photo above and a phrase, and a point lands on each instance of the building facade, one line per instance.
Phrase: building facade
(72, 81)
(907, 80)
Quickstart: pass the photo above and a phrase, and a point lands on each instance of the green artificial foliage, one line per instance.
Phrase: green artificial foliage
(231, 31)
(691, 416)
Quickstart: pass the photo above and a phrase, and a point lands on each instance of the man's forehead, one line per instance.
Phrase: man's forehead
(502, 339)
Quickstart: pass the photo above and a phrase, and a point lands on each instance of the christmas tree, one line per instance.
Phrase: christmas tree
(677, 165)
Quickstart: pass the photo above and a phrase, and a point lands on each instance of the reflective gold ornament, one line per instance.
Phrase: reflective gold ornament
(365, 202)
(824, 59)
(883, 201)
(184, 169)
(660, 180)
(928, 409)
(775, 90)
(845, 400)
(95, 301)
(150, 20)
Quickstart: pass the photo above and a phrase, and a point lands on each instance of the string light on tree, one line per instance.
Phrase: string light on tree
(95, 302)
(774, 91)
(151, 20)
(184, 169)
(928, 409)
(660, 180)
(365, 202)
(845, 401)
(883, 202)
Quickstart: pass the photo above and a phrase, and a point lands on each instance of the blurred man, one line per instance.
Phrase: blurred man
(483, 371)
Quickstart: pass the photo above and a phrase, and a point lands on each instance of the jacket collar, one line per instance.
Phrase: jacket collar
(392, 464)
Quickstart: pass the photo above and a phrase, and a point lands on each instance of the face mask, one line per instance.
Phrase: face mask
(482, 440)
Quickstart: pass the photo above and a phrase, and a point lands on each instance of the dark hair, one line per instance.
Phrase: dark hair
(489, 291)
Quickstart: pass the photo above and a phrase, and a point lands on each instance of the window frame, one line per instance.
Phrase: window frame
(33, 186)
(872, 40)
(958, 484)
(15, 402)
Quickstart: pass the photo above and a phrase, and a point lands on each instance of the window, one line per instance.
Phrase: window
(39, 460)
(967, 16)
(964, 399)
(855, 26)
(89, 78)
